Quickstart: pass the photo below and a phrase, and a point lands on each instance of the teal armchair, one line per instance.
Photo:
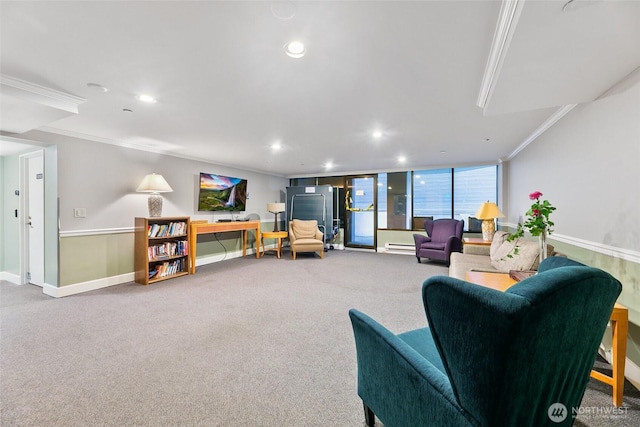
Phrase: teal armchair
(489, 358)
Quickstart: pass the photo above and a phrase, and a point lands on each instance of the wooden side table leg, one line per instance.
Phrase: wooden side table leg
(619, 329)
(279, 239)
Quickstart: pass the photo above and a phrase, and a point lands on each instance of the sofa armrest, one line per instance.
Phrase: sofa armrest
(397, 383)
(476, 249)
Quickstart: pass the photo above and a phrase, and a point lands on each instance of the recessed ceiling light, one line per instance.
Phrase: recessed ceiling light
(127, 110)
(328, 165)
(283, 9)
(276, 146)
(402, 159)
(97, 87)
(377, 134)
(147, 99)
(295, 49)
(443, 151)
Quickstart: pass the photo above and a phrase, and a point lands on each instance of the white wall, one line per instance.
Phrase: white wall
(587, 165)
(102, 178)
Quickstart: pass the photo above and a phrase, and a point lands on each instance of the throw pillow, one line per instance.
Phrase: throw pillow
(498, 239)
(504, 259)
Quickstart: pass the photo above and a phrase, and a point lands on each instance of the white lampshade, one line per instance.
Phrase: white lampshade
(154, 183)
(275, 207)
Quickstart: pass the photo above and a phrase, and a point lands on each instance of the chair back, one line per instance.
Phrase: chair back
(304, 229)
(522, 351)
(441, 229)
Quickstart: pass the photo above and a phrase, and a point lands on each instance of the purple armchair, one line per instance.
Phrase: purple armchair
(444, 237)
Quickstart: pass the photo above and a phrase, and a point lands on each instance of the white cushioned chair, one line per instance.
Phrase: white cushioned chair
(304, 236)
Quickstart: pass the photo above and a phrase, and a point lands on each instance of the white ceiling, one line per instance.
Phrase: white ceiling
(226, 91)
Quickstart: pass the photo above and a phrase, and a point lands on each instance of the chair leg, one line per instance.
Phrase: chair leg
(418, 260)
(321, 254)
(369, 416)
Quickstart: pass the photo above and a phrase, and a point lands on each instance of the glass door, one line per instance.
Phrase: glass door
(360, 208)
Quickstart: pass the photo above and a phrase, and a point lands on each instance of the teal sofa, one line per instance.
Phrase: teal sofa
(488, 358)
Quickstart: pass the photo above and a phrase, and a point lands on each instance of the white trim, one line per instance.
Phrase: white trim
(101, 231)
(96, 232)
(507, 22)
(557, 115)
(612, 251)
(221, 257)
(10, 277)
(40, 94)
(92, 285)
(631, 370)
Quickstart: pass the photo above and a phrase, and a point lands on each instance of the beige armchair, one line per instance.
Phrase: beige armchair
(304, 236)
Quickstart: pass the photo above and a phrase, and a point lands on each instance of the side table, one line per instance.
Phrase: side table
(479, 241)
(619, 326)
(278, 235)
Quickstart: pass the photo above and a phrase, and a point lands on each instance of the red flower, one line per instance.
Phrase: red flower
(535, 195)
(536, 212)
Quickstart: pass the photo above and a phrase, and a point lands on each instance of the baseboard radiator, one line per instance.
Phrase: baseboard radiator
(400, 248)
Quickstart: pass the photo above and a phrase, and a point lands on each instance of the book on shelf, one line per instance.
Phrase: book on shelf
(167, 230)
(168, 250)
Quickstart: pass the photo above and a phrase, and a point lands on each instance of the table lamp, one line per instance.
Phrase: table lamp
(275, 208)
(488, 212)
(154, 184)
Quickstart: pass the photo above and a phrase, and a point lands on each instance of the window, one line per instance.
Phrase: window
(394, 200)
(471, 187)
(438, 193)
(432, 193)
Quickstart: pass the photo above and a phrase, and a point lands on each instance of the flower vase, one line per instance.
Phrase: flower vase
(542, 245)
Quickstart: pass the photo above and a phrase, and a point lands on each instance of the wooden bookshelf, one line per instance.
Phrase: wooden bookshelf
(162, 249)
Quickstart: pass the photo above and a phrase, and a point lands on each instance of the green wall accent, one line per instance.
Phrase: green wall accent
(86, 258)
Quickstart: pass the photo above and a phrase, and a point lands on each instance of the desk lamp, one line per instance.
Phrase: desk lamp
(275, 208)
(154, 184)
(488, 212)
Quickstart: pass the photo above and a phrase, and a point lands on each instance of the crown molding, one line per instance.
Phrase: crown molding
(560, 113)
(39, 94)
(507, 22)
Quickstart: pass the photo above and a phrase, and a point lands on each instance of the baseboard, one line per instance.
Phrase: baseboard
(10, 277)
(221, 257)
(631, 370)
(92, 285)
(399, 248)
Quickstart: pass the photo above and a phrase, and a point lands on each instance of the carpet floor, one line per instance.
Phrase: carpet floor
(260, 342)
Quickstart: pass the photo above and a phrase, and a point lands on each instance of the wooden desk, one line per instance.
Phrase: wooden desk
(619, 328)
(202, 227)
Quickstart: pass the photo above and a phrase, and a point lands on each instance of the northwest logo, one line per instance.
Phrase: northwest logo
(557, 412)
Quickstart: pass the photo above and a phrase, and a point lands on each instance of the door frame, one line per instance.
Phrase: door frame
(347, 223)
(23, 217)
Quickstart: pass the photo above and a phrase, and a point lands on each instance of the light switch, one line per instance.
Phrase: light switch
(79, 212)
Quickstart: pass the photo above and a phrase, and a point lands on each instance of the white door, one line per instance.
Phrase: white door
(35, 219)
